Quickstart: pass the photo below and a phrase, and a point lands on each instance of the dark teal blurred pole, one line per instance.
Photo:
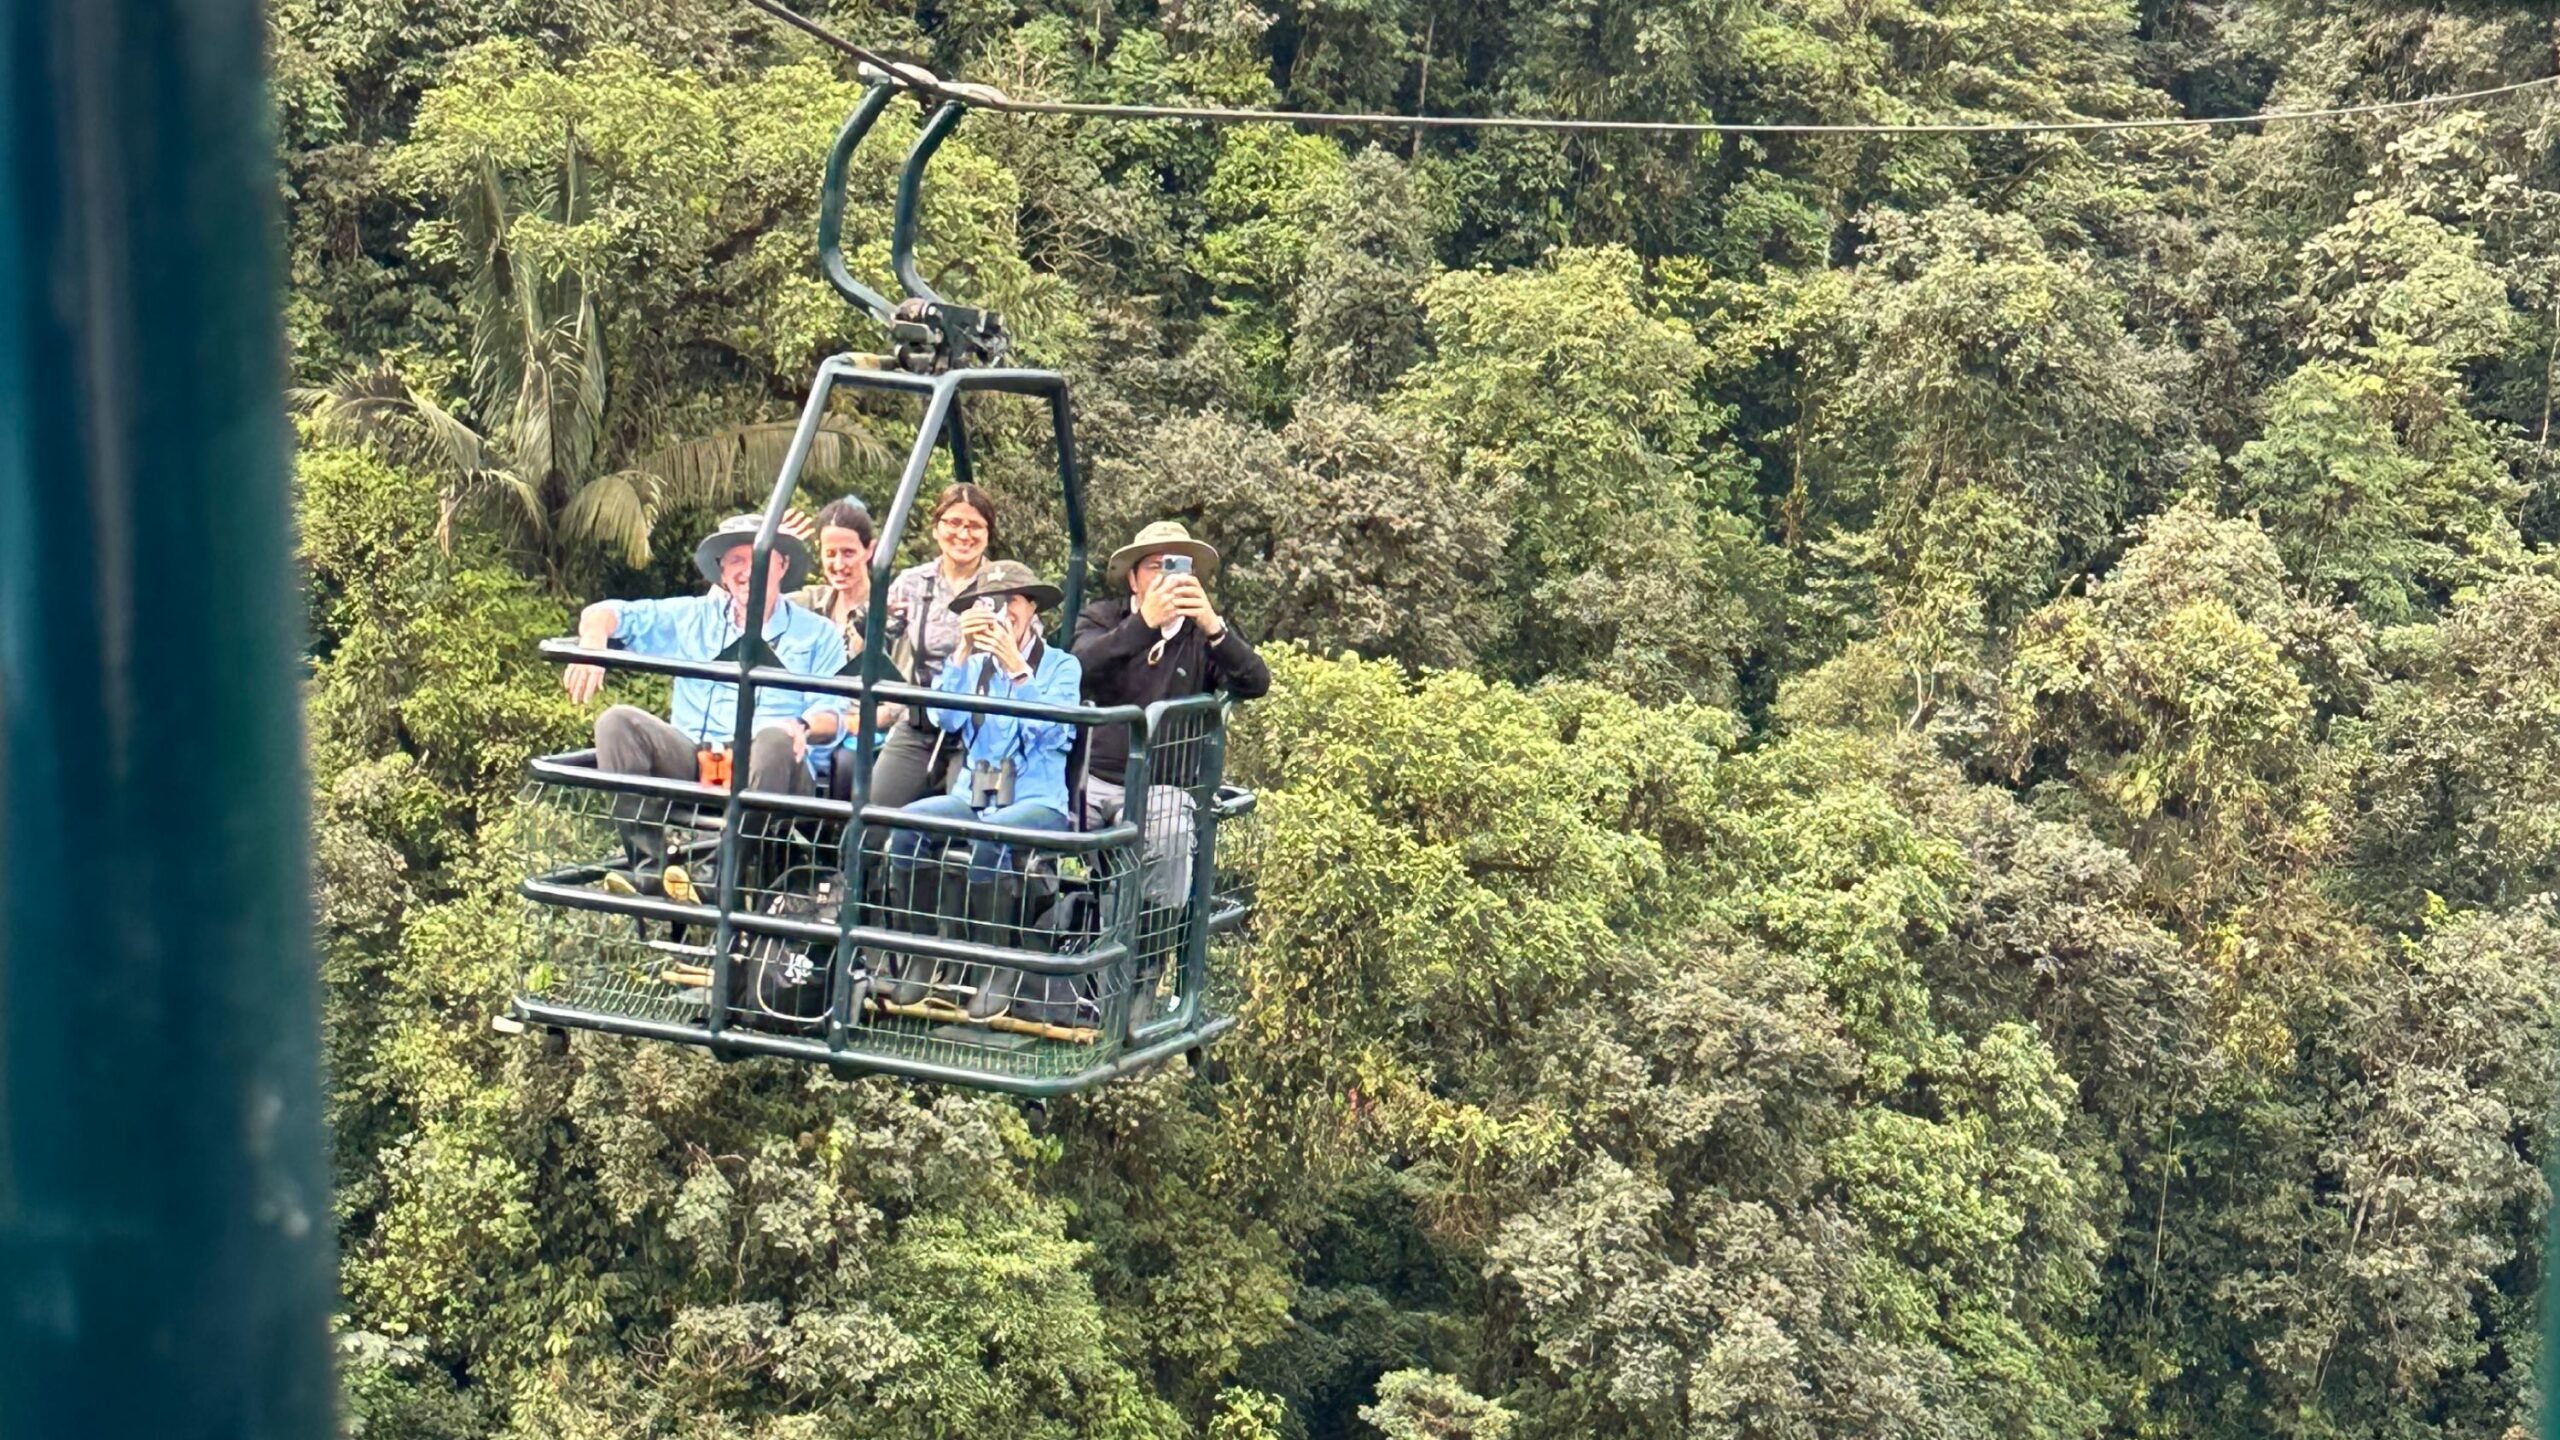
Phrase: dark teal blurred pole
(165, 1245)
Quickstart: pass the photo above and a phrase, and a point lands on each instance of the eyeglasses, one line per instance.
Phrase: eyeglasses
(958, 526)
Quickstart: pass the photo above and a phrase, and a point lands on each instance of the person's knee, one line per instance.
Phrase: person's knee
(773, 764)
(1100, 809)
(619, 723)
(905, 845)
(772, 748)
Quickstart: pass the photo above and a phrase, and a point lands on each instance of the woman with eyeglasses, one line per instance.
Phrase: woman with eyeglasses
(924, 630)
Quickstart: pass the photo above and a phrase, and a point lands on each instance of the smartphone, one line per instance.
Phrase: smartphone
(1177, 565)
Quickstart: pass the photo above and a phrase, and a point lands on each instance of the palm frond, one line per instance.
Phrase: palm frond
(530, 434)
(377, 407)
(520, 518)
(461, 448)
(740, 463)
(615, 511)
(578, 364)
(491, 294)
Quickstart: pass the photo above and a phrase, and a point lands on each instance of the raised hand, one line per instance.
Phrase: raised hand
(999, 644)
(1191, 602)
(1156, 605)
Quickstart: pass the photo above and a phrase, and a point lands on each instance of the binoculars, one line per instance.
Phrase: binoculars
(990, 786)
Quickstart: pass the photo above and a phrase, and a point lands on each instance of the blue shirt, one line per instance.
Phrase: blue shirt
(699, 627)
(1037, 748)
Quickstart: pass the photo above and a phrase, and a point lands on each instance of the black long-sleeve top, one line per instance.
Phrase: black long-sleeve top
(1112, 641)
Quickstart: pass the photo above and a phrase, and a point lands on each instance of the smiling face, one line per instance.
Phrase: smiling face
(737, 568)
(844, 557)
(962, 534)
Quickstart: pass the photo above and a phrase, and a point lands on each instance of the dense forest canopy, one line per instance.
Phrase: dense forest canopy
(1913, 781)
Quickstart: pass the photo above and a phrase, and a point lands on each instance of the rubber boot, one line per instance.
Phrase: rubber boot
(915, 900)
(989, 925)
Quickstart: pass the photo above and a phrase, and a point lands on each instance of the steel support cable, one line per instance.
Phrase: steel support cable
(925, 82)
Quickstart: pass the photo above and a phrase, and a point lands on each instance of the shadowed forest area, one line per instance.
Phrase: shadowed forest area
(1912, 784)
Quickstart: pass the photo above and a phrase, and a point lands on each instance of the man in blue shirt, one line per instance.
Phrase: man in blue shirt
(1013, 770)
(710, 626)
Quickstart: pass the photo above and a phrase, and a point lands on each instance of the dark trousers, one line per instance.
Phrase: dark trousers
(905, 769)
(631, 741)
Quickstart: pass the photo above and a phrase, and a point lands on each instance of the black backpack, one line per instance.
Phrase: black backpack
(1071, 921)
(782, 982)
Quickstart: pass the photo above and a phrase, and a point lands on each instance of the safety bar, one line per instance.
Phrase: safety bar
(1080, 841)
(940, 947)
(577, 767)
(851, 687)
(757, 1042)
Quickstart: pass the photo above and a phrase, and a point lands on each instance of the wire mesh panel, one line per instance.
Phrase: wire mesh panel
(1020, 955)
(1179, 827)
(613, 965)
(1239, 858)
(946, 914)
(578, 838)
(577, 835)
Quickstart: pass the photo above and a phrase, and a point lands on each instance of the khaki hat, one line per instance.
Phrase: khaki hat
(1007, 577)
(740, 530)
(1165, 537)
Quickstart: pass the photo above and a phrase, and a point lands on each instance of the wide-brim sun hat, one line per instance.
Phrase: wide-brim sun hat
(1007, 577)
(1165, 537)
(740, 530)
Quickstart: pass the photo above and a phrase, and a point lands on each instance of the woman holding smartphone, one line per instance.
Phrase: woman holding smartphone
(1013, 773)
(915, 760)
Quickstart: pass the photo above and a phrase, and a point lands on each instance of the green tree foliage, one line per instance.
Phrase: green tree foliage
(1911, 792)
(1358, 322)
(1578, 410)
(1417, 1405)
(2375, 492)
(2182, 697)
(2459, 788)
(1995, 424)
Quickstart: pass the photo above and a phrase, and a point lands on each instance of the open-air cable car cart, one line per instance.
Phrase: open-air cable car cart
(1075, 957)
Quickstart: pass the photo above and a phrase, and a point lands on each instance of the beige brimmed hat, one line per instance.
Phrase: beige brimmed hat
(740, 530)
(1007, 577)
(1165, 537)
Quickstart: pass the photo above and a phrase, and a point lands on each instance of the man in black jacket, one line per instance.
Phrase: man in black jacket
(1162, 643)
